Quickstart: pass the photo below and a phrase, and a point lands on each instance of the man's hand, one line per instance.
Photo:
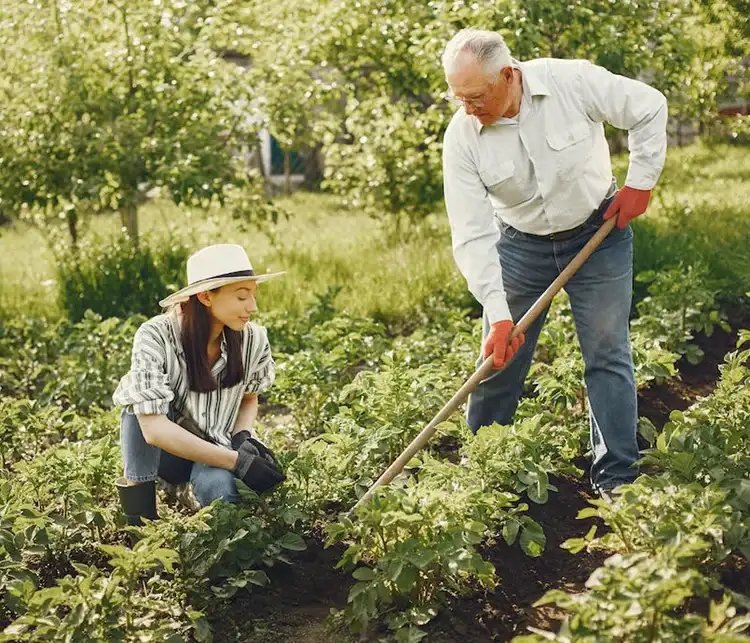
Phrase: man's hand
(499, 344)
(627, 205)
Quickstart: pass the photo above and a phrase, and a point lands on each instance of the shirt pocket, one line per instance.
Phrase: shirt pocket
(571, 149)
(503, 184)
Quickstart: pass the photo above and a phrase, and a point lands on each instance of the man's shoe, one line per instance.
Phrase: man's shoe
(606, 495)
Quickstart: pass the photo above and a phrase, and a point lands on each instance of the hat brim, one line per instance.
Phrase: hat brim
(210, 284)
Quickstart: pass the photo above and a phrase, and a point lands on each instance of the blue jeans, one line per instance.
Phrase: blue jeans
(144, 463)
(600, 296)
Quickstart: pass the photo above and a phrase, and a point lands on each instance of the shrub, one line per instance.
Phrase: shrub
(118, 278)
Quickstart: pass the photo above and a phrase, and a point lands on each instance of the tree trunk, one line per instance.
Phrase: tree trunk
(287, 174)
(129, 216)
(267, 187)
(313, 160)
(71, 217)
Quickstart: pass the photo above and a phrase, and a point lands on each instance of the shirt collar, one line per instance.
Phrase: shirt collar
(221, 363)
(224, 343)
(534, 79)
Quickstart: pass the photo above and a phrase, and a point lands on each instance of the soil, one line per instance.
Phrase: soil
(50, 569)
(694, 380)
(297, 604)
(509, 610)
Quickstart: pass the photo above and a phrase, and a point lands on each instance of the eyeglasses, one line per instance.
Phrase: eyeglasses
(477, 101)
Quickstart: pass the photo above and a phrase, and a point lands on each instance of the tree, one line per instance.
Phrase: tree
(368, 73)
(103, 101)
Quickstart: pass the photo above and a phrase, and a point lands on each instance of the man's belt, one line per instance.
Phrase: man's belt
(594, 218)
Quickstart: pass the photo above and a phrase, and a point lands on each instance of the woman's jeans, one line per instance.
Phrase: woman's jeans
(600, 295)
(144, 463)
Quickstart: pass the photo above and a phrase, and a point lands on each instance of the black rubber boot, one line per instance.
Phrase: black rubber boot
(137, 501)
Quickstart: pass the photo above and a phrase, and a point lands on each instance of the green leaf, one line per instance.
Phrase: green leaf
(292, 541)
(538, 493)
(257, 577)
(421, 558)
(574, 545)
(410, 635)
(406, 579)
(510, 530)
(532, 539)
(743, 490)
(364, 574)
(201, 628)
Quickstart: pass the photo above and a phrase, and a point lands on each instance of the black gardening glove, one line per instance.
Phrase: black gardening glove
(239, 438)
(256, 470)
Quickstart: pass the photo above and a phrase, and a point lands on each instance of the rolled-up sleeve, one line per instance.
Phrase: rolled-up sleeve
(260, 368)
(473, 231)
(145, 389)
(633, 106)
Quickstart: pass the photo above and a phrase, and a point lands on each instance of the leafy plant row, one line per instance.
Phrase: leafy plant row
(409, 549)
(672, 531)
(357, 397)
(67, 573)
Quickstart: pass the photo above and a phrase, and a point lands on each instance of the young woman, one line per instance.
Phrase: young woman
(191, 396)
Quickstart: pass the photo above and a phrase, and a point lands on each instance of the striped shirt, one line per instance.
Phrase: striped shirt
(157, 382)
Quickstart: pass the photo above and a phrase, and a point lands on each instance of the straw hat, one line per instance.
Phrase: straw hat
(215, 266)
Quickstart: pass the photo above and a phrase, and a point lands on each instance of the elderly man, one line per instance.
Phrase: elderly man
(528, 180)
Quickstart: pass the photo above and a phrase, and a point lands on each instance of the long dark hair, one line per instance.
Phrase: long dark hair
(195, 328)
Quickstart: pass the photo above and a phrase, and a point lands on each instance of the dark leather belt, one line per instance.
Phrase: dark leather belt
(594, 218)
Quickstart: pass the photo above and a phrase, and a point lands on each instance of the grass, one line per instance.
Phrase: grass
(699, 210)
(321, 246)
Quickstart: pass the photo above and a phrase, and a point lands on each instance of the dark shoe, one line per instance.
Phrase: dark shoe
(137, 501)
(606, 495)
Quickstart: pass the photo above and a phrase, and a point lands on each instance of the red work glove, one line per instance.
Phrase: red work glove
(627, 205)
(499, 345)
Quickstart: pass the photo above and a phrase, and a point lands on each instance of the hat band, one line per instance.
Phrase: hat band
(237, 273)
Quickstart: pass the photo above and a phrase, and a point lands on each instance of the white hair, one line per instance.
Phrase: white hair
(488, 48)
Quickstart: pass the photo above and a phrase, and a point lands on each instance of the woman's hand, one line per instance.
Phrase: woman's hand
(239, 438)
(255, 470)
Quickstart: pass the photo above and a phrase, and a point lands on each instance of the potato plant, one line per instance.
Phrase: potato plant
(641, 598)
(655, 511)
(673, 529)
(710, 442)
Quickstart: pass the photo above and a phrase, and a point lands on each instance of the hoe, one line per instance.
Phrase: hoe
(486, 368)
